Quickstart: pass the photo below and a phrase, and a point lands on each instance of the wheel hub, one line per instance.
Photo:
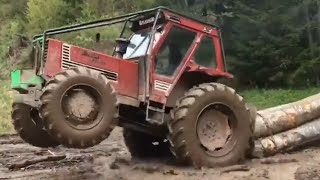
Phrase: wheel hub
(80, 106)
(213, 129)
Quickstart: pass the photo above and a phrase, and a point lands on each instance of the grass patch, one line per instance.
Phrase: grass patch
(5, 107)
(263, 98)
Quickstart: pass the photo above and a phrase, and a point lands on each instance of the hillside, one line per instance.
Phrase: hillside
(267, 43)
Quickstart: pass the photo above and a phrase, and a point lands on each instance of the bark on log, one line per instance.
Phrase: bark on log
(281, 118)
(287, 140)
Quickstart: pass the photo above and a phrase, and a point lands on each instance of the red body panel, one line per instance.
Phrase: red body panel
(62, 56)
(53, 61)
(128, 78)
(94, 59)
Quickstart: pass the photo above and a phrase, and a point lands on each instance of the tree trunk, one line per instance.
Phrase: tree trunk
(186, 2)
(284, 117)
(286, 127)
(287, 140)
(318, 3)
(309, 33)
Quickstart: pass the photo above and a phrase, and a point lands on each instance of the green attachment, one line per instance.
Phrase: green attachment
(22, 79)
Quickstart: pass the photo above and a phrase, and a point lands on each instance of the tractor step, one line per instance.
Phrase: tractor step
(153, 114)
(156, 109)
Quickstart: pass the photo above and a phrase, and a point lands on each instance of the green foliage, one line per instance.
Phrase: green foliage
(267, 43)
(277, 42)
(5, 106)
(7, 39)
(266, 98)
(30, 17)
(46, 14)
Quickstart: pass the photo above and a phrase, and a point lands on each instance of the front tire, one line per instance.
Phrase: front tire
(210, 127)
(28, 125)
(79, 108)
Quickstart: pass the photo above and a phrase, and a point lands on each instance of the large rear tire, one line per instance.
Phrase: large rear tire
(28, 125)
(79, 108)
(210, 127)
(142, 145)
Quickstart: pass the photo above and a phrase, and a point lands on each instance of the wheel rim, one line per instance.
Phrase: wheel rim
(215, 129)
(81, 105)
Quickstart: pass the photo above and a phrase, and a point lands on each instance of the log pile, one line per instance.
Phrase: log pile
(286, 127)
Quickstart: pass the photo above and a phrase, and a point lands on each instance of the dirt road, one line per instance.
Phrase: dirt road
(110, 160)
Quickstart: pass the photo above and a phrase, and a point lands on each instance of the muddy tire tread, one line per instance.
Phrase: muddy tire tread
(177, 126)
(47, 115)
(32, 133)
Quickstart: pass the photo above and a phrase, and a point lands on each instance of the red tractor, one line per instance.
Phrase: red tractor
(160, 85)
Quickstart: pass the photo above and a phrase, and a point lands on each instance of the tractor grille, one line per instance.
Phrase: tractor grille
(67, 63)
(66, 52)
(45, 55)
(162, 86)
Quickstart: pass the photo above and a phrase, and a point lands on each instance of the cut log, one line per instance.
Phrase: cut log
(287, 140)
(285, 117)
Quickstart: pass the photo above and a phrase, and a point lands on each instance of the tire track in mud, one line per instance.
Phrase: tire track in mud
(111, 160)
(78, 164)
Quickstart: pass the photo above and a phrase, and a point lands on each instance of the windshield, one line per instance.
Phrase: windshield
(138, 46)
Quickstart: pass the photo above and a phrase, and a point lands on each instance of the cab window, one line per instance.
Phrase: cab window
(205, 54)
(138, 46)
(173, 50)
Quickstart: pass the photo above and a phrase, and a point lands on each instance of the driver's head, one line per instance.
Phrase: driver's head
(158, 34)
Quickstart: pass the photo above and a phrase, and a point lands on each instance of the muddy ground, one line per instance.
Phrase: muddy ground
(110, 160)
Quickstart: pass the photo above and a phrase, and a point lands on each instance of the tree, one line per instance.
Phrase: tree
(42, 15)
(267, 43)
